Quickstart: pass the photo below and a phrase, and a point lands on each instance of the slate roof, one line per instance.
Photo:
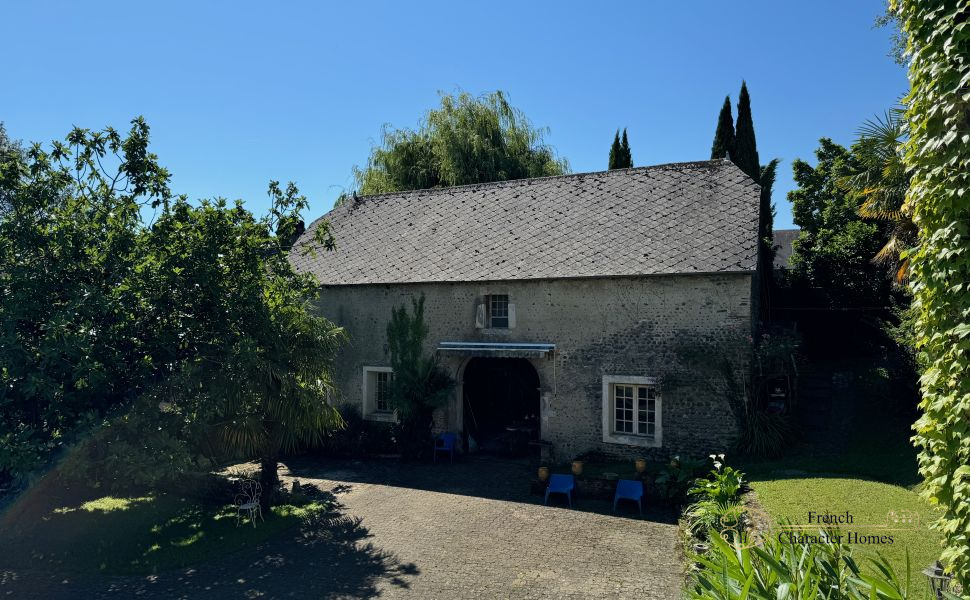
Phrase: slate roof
(695, 217)
(782, 243)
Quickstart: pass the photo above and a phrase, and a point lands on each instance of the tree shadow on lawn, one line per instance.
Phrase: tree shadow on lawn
(77, 551)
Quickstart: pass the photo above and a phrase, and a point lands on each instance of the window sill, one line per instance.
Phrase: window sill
(643, 441)
(494, 330)
(385, 417)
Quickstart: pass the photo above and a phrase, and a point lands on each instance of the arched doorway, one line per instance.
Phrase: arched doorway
(500, 405)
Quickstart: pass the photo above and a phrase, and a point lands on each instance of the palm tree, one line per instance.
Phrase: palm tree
(880, 179)
(280, 398)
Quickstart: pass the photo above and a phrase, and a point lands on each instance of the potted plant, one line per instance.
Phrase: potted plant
(543, 474)
(640, 465)
(577, 468)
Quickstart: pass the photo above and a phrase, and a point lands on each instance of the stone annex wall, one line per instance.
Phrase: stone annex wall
(676, 328)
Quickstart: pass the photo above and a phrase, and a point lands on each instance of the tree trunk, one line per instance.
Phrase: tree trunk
(269, 478)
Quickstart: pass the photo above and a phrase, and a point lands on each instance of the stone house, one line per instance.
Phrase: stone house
(586, 310)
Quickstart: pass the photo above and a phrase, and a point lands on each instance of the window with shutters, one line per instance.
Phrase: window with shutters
(497, 311)
(631, 411)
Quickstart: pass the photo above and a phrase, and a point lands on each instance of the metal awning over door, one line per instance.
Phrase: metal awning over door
(497, 349)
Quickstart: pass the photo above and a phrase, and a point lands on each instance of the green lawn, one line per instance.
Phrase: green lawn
(135, 534)
(874, 473)
(869, 503)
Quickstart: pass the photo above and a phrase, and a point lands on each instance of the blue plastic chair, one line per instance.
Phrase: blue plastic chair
(561, 484)
(445, 442)
(627, 489)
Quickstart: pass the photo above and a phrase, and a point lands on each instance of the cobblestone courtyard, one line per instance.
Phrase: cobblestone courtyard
(467, 530)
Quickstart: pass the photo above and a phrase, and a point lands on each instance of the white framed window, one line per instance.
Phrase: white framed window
(497, 307)
(632, 411)
(376, 394)
(382, 391)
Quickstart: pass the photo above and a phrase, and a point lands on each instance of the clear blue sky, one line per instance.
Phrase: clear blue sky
(238, 93)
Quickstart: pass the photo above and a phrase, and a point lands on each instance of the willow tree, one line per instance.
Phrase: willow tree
(465, 140)
(937, 156)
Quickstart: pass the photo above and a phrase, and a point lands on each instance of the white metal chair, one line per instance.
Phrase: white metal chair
(247, 501)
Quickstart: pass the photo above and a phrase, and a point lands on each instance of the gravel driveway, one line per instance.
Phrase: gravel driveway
(468, 530)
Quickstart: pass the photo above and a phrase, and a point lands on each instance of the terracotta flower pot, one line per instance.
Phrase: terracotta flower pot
(543, 474)
(577, 467)
(641, 465)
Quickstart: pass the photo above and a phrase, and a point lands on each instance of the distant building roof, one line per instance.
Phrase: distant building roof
(695, 217)
(783, 239)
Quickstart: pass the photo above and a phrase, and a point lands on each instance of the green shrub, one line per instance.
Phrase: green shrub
(677, 477)
(21, 452)
(360, 437)
(141, 448)
(419, 385)
(717, 499)
(722, 485)
(764, 434)
(706, 516)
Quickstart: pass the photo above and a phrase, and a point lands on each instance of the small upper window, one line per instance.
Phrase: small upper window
(498, 310)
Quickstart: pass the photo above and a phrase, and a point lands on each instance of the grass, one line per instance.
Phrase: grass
(869, 503)
(136, 534)
(873, 473)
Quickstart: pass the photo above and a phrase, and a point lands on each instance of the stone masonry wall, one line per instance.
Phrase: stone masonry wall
(647, 326)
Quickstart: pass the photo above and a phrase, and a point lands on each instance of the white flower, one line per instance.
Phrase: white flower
(713, 456)
(721, 456)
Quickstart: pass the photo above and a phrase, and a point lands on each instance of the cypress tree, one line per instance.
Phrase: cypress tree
(615, 152)
(627, 161)
(745, 153)
(724, 135)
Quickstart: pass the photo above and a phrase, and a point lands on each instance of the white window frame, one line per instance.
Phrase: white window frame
(368, 408)
(610, 436)
(490, 316)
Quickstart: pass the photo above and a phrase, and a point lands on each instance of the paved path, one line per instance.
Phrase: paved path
(420, 531)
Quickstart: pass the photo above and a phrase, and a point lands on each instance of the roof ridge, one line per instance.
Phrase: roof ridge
(504, 182)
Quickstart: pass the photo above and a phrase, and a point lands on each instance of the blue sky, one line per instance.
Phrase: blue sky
(238, 93)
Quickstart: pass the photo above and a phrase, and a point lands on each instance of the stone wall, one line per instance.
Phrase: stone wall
(679, 329)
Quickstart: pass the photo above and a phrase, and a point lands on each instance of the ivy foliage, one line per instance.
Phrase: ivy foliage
(937, 155)
(465, 140)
